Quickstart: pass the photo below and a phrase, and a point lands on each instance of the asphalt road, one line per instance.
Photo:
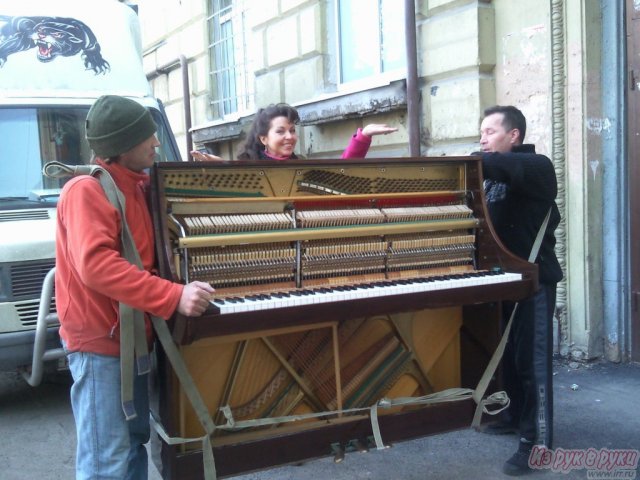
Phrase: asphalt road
(601, 411)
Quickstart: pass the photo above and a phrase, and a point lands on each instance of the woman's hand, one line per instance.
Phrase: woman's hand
(204, 157)
(377, 129)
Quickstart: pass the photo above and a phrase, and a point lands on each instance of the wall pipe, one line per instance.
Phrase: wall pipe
(615, 193)
(180, 62)
(413, 93)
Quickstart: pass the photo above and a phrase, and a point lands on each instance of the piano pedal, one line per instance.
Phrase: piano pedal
(355, 445)
(359, 446)
(338, 452)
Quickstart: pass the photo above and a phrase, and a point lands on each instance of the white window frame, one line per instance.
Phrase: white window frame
(232, 84)
(379, 77)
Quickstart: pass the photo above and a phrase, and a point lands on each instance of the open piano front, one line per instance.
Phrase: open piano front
(338, 283)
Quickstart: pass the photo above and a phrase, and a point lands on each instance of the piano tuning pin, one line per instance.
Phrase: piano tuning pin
(338, 452)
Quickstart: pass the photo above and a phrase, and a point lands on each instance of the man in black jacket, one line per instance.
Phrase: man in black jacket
(520, 189)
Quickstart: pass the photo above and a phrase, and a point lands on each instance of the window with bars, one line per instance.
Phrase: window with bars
(371, 38)
(232, 84)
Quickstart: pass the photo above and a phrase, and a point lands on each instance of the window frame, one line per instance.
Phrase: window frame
(231, 82)
(380, 76)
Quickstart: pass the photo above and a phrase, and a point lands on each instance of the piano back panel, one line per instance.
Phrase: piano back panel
(257, 228)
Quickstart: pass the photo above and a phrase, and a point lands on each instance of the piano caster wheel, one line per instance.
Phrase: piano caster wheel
(338, 453)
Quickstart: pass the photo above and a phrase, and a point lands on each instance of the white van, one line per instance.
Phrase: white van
(56, 58)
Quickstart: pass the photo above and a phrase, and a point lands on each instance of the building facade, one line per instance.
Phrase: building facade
(430, 67)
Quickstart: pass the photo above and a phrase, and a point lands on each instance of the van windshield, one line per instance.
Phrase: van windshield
(33, 136)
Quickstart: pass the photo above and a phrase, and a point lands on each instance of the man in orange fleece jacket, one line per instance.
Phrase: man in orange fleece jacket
(92, 278)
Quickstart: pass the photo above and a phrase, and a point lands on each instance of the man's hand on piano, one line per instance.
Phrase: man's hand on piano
(195, 299)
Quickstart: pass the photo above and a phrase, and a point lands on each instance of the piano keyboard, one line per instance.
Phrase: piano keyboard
(315, 295)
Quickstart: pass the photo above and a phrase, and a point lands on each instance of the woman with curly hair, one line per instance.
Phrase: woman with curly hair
(273, 136)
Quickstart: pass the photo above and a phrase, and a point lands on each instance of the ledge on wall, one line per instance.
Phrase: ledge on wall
(382, 99)
(222, 132)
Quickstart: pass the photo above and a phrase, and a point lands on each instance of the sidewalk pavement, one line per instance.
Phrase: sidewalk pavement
(601, 411)
(596, 406)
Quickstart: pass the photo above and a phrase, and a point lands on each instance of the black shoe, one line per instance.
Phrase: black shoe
(499, 428)
(518, 464)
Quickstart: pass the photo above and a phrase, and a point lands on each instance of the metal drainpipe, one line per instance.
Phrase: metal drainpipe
(413, 94)
(186, 99)
(165, 69)
(615, 192)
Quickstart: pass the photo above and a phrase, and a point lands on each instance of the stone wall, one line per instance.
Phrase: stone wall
(471, 54)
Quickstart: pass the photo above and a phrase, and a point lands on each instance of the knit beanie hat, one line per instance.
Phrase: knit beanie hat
(117, 124)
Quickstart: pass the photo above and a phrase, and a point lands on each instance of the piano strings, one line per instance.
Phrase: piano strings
(296, 374)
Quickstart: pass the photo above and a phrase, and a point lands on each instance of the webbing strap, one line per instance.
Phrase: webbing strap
(497, 355)
(192, 393)
(444, 396)
(133, 339)
(60, 170)
(449, 395)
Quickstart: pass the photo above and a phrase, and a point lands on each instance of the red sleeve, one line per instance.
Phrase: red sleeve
(358, 146)
(93, 246)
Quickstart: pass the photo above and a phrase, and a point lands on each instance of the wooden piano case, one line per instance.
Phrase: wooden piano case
(262, 228)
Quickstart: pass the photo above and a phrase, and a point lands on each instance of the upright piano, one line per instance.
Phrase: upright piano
(338, 283)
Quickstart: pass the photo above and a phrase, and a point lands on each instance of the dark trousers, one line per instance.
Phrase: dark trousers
(527, 366)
